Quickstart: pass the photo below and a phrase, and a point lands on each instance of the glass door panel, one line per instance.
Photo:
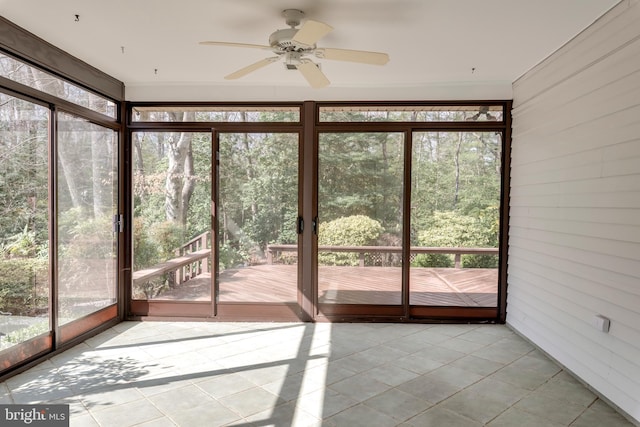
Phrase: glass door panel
(455, 205)
(257, 215)
(360, 188)
(87, 199)
(25, 287)
(172, 216)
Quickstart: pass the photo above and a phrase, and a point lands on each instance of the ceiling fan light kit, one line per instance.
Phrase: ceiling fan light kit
(294, 45)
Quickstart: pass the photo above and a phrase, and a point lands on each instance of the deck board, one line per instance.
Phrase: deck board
(347, 285)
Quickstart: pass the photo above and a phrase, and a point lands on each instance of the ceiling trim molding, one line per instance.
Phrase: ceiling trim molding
(258, 93)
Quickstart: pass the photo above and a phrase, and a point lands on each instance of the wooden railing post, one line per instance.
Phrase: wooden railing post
(203, 245)
(361, 256)
(457, 260)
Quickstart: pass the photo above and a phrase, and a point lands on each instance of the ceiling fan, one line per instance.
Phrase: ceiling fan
(294, 45)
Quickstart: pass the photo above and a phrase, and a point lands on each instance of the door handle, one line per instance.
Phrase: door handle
(300, 225)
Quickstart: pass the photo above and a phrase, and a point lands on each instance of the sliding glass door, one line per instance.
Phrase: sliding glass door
(455, 218)
(87, 200)
(360, 197)
(172, 220)
(257, 220)
(319, 211)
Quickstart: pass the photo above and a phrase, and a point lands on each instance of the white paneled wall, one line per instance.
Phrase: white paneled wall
(575, 206)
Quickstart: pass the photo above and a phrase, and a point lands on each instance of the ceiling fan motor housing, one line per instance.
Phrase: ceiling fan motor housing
(281, 41)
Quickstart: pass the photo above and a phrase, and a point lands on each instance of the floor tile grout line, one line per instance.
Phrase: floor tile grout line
(370, 345)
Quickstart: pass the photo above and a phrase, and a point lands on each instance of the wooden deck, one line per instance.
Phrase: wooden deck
(347, 285)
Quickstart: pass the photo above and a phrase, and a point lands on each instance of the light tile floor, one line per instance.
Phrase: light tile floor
(285, 374)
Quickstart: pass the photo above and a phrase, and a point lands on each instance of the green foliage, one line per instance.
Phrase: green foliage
(258, 202)
(24, 286)
(167, 236)
(452, 229)
(361, 174)
(23, 244)
(229, 257)
(156, 242)
(24, 334)
(355, 230)
(23, 169)
(145, 252)
(83, 235)
(433, 260)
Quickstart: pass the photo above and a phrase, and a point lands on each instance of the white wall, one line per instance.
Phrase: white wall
(575, 206)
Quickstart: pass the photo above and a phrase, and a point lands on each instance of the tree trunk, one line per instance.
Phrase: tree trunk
(57, 88)
(250, 166)
(457, 162)
(180, 180)
(102, 202)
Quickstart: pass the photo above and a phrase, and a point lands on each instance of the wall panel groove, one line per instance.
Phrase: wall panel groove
(574, 231)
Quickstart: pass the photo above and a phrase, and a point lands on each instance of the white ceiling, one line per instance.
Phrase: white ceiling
(439, 49)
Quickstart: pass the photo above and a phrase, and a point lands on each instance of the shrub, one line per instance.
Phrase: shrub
(452, 229)
(433, 260)
(229, 257)
(356, 230)
(167, 236)
(23, 244)
(24, 286)
(145, 252)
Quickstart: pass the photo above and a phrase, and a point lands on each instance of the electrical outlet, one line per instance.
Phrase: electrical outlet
(601, 323)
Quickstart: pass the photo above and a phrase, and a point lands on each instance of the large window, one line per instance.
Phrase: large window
(59, 216)
(25, 74)
(360, 213)
(24, 221)
(257, 210)
(86, 205)
(330, 210)
(172, 215)
(410, 113)
(222, 114)
(455, 206)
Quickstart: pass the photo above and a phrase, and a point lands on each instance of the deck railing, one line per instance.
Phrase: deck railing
(274, 251)
(192, 259)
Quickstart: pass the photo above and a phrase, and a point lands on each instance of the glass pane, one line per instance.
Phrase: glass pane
(360, 212)
(455, 200)
(257, 212)
(27, 75)
(172, 215)
(216, 114)
(24, 221)
(411, 113)
(87, 200)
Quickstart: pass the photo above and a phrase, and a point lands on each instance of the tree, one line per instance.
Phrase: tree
(180, 179)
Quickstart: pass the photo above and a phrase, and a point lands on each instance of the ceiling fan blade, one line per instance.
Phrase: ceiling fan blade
(251, 68)
(229, 44)
(314, 76)
(311, 32)
(362, 56)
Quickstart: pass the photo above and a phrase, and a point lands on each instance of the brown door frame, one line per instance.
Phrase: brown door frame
(254, 311)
